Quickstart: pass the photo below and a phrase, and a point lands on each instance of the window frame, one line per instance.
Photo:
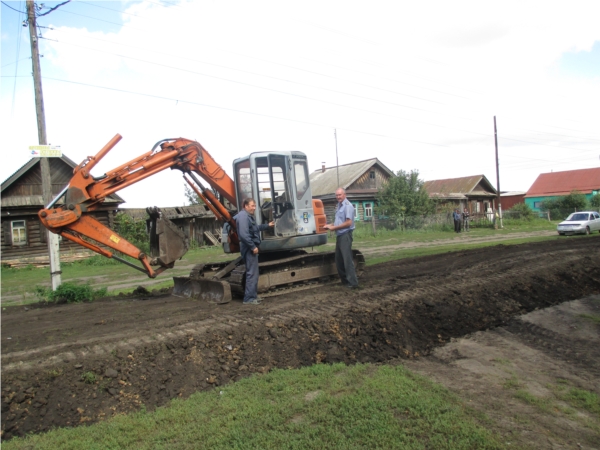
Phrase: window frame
(371, 209)
(356, 215)
(24, 232)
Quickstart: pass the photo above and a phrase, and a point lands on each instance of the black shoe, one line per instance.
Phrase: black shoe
(347, 286)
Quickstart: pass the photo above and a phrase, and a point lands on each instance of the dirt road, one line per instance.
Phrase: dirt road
(71, 364)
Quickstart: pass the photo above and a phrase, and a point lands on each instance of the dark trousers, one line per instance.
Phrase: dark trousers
(251, 276)
(344, 260)
(457, 226)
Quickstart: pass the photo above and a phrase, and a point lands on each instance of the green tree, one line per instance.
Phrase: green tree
(191, 197)
(134, 230)
(595, 201)
(404, 195)
(561, 207)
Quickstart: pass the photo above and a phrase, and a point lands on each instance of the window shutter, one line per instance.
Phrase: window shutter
(43, 233)
(7, 232)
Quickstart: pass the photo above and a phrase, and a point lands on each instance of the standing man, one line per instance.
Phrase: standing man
(343, 227)
(249, 234)
(457, 220)
(466, 219)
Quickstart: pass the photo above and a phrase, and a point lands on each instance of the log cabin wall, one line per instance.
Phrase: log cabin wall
(21, 201)
(35, 244)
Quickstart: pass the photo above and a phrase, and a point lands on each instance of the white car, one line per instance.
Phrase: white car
(584, 222)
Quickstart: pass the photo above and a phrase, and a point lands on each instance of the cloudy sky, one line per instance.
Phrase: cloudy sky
(415, 84)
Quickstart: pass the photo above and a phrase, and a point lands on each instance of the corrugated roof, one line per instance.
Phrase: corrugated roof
(326, 182)
(563, 183)
(457, 188)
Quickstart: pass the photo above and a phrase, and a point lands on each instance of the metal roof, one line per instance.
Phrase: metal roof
(460, 188)
(563, 183)
(325, 182)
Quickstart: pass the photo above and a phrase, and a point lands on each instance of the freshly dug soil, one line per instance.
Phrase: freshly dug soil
(64, 365)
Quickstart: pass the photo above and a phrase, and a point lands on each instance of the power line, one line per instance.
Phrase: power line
(254, 85)
(8, 6)
(18, 52)
(241, 111)
(53, 9)
(266, 76)
(111, 9)
(316, 87)
(18, 60)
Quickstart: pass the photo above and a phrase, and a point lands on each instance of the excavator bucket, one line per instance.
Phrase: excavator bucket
(214, 291)
(167, 241)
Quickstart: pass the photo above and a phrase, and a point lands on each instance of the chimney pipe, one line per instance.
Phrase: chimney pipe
(323, 167)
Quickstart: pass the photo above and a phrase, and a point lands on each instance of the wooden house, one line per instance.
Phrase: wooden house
(23, 237)
(475, 193)
(362, 181)
(549, 186)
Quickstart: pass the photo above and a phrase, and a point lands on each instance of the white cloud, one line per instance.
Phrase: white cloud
(415, 84)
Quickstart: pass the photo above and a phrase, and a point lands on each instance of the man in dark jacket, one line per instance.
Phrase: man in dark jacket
(249, 234)
(457, 220)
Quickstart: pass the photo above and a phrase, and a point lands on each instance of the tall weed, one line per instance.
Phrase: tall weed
(70, 293)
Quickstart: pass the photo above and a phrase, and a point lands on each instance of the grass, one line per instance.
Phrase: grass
(593, 317)
(323, 406)
(21, 283)
(566, 400)
(457, 247)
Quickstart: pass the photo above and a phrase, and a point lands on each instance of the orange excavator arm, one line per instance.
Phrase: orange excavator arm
(86, 193)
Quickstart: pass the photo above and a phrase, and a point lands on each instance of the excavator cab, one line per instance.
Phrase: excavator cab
(279, 184)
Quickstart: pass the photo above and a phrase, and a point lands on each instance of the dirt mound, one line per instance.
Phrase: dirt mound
(72, 364)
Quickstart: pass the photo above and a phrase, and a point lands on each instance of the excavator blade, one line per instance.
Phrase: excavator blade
(167, 241)
(214, 291)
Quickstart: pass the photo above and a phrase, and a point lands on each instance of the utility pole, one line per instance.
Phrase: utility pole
(497, 174)
(53, 249)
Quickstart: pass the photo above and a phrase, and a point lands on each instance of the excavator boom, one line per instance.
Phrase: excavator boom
(85, 193)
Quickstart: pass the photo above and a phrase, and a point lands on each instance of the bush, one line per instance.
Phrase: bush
(595, 201)
(69, 293)
(561, 207)
(521, 211)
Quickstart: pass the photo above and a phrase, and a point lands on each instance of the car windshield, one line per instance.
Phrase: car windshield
(578, 217)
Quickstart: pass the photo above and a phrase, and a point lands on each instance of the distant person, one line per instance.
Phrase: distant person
(457, 220)
(249, 234)
(466, 217)
(343, 227)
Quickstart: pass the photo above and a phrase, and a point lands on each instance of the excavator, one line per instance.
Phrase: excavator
(279, 183)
